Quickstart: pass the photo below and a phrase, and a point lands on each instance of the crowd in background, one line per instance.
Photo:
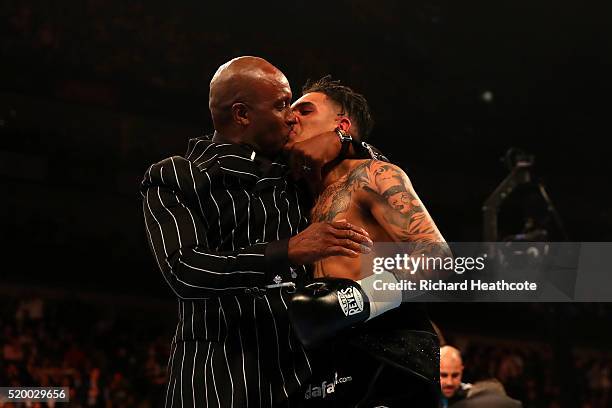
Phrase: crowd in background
(147, 44)
(43, 33)
(531, 374)
(106, 361)
(116, 357)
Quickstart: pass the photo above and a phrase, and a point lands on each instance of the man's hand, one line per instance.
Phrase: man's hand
(323, 239)
(308, 157)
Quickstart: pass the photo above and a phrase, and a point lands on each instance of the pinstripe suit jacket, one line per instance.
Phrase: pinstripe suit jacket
(218, 222)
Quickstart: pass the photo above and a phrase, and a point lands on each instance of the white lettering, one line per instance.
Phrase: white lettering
(377, 265)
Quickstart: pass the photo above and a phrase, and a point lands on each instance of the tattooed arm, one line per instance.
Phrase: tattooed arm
(399, 211)
(396, 206)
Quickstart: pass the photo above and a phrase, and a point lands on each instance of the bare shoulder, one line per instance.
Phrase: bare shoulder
(375, 176)
(383, 171)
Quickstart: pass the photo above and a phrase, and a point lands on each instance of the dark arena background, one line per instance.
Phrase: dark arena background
(92, 92)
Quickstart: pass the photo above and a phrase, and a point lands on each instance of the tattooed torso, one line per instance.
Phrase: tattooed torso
(335, 200)
(379, 197)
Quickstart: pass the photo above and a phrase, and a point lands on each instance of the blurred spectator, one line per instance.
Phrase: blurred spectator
(451, 373)
(54, 352)
(488, 393)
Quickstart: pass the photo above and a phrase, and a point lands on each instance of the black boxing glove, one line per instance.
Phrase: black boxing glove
(327, 305)
(324, 307)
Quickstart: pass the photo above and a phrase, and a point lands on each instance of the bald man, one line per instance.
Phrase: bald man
(451, 372)
(249, 101)
(227, 229)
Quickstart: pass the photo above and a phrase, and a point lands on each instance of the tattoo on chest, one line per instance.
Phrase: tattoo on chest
(336, 198)
(386, 184)
(333, 201)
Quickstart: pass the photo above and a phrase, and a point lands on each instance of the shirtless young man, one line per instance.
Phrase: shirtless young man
(375, 195)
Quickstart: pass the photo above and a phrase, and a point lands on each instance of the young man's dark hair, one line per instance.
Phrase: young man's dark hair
(353, 104)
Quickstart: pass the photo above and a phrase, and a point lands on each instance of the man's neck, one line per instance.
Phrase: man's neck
(228, 137)
(335, 173)
(219, 137)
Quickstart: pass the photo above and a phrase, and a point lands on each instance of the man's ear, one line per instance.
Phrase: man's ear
(345, 125)
(240, 114)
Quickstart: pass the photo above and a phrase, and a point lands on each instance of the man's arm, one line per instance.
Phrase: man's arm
(173, 212)
(398, 210)
(396, 206)
(177, 237)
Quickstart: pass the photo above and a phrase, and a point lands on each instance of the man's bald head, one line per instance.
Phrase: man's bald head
(451, 370)
(450, 354)
(239, 80)
(250, 101)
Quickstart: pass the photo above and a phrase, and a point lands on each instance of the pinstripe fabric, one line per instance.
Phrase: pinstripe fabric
(210, 217)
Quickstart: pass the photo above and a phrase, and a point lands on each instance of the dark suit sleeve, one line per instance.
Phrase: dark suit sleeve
(176, 231)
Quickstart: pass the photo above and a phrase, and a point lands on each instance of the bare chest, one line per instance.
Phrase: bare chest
(334, 202)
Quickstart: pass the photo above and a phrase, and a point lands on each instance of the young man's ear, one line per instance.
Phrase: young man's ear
(240, 114)
(345, 125)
